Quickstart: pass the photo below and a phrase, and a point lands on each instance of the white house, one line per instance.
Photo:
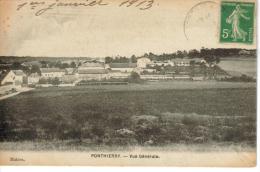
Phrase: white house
(181, 62)
(13, 77)
(52, 72)
(92, 74)
(162, 63)
(117, 74)
(92, 70)
(33, 78)
(92, 65)
(123, 67)
(143, 62)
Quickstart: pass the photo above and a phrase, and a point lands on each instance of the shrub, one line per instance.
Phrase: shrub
(55, 81)
(43, 81)
(190, 120)
(134, 78)
(146, 128)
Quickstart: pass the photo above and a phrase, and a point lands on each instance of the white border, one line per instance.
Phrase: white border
(151, 169)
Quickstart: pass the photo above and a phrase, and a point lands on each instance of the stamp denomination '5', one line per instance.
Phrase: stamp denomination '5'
(237, 22)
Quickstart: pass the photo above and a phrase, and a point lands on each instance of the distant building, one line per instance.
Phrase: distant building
(143, 62)
(92, 70)
(123, 67)
(69, 78)
(13, 77)
(181, 62)
(200, 77)
(92, 74)
(33, 78)
(245, 52)
(117, 74)
(162, 63)
(52, 72)
(92, 64)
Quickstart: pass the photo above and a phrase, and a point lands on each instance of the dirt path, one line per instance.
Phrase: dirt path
(16, 93)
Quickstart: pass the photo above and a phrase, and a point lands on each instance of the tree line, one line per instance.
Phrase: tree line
(204, 53)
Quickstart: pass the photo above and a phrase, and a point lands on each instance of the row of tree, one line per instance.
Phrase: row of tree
(58, 64)
(194, 53)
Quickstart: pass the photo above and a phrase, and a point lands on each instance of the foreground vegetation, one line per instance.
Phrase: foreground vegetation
(86, 117)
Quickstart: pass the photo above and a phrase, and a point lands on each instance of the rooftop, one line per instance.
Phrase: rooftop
(92, 64)
(123, 65)
(18, 72)
(92, 71)
(33, 75)
(48, 70)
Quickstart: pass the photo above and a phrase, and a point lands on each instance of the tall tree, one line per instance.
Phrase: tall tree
(108, 60)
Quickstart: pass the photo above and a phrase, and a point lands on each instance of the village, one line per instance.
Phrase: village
(95, 71)
(150, 100)
(20, 74)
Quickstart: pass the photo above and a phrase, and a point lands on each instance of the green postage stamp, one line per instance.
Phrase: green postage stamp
(237, 22)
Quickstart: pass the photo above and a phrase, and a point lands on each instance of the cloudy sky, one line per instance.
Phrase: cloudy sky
(110, 30)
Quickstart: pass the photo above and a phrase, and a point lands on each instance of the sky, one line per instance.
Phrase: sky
(110, 30)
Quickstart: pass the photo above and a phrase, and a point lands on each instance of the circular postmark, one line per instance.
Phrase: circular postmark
(200, 19)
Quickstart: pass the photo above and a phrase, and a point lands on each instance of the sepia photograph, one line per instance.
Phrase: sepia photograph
(128, 83)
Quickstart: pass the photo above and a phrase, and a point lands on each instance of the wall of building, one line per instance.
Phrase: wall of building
(53, 74)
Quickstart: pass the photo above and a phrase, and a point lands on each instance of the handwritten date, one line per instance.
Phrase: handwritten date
(41, 7)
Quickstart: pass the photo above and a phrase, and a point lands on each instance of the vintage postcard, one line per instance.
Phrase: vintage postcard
(128, 83)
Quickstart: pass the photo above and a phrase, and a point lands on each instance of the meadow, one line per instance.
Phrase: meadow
(239, 65)
(133, 115)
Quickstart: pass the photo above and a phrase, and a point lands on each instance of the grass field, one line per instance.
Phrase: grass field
(133, 115)
(245, 66)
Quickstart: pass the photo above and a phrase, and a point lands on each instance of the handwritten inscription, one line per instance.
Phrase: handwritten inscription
(41, 7)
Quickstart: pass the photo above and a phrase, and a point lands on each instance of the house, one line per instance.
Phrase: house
(52, 72)
(117, 74)
(92, 70)
(198, 77)
(92, 64)
(161, 63)
(13, 77)
(92, 74)
(245, 52)
(123, 67)
(143, 62)
(70, 75)
(69, 78)
(181, 62)
(33, 78)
